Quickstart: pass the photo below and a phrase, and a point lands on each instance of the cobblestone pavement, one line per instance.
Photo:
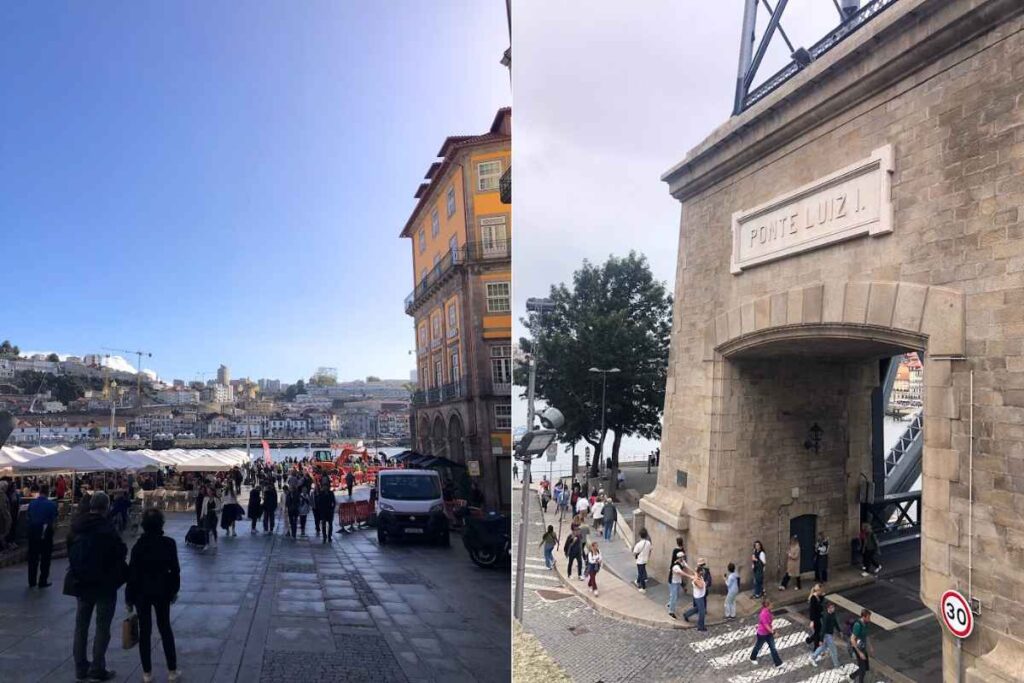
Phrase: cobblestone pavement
(593, 647)
(267, 608)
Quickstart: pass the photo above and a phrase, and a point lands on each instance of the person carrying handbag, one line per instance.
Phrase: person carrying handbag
(154, 579)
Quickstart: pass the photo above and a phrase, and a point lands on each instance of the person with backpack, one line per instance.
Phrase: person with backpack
(765, 634)
(758, 560)
(869, 551)
(860, 646)
(574, 551)
(154, 578)
(610, 515)
(326, 505)
(821, 558)
(548, 541)
(255, 508)
(269, 506)
(642, 553)
(700, 581)
(96, 570)
(829, 629)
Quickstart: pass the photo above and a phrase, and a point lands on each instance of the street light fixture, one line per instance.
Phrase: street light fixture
(604, 387)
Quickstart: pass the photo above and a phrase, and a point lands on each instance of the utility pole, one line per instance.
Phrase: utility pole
(524, 511)
(113, 408)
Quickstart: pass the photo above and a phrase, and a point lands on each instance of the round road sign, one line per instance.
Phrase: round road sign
(956, 614)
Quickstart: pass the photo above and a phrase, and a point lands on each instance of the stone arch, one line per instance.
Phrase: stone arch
(456, 445)
(842, 317)
(439, 438)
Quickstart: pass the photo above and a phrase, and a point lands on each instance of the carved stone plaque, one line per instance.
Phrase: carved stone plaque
(851, 202)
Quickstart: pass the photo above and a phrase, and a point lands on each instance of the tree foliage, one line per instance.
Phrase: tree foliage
(53, 358)
(7, 350)
(615, 315)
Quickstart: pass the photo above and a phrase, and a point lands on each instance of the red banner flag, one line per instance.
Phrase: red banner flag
(266, 452)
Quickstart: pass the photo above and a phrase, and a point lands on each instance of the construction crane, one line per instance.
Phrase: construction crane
(138, 373)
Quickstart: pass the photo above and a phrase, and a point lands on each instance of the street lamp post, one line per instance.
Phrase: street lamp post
(604, 390)
(113, 408)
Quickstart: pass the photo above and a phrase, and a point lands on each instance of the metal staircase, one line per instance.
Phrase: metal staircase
(903, 461)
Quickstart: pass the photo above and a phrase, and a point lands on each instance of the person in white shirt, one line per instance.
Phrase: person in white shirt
(676, 574)
(700, 592)
(598, 512)
(593, 566)
(642, 553)
(582, 506)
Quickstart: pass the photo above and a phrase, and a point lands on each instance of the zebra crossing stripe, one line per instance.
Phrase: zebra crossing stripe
(798, 662)
(733, 636)
(833, 675)
(546, 577)
(783, 643)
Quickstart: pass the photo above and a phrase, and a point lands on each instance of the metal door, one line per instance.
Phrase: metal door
(805, 528)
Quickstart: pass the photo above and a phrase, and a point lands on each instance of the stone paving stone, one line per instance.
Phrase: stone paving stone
(344, 603)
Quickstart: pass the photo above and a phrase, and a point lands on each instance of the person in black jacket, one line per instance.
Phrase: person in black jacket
(816, 603)
(291, 504)
(255, 507)
(326, 504)
(269, 506)
(97, 569)
(154, 578)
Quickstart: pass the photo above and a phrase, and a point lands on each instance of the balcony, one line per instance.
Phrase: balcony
(505, 186)
(488, 251)
(453, 391)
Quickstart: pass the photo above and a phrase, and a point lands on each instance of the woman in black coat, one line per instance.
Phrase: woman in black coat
(255, 507)
(154, 578)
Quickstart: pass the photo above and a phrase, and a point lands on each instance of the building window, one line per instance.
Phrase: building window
(438, 374)
(501, 365)
(453, 247)
(435, 322)
(423, 338)
(435, 223)
(423, 240)
(498, 297)
(487, 174)
(503, 416)
(451, 201)
(455, 366)
(453, 320)
(494, 237)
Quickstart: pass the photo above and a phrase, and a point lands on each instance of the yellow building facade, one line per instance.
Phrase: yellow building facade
(460, 234)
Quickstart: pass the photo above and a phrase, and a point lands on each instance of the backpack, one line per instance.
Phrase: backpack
(85, 558)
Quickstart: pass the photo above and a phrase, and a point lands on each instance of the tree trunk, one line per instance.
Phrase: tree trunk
(598, 454)
(613, 475)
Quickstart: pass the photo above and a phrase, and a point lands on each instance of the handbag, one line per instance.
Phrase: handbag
(72, 586)
(130, 631)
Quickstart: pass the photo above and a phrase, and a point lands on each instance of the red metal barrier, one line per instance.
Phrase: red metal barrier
(346, 514)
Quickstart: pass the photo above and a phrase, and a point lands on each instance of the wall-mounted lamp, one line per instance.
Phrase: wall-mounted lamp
(814, 438)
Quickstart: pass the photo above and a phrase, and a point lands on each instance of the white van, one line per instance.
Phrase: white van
(409, 503)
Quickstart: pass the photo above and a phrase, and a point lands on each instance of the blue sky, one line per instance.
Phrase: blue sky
(225, 185)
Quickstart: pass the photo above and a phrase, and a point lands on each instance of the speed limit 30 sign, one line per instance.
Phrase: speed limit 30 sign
(956, 614)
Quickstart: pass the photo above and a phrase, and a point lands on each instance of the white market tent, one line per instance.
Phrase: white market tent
(80, 459)
(76, 459)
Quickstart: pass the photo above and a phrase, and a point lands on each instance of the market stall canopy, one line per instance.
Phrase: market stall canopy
(76, 459)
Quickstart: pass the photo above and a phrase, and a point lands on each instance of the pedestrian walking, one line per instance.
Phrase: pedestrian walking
(678, 552)
(5, 515)
(545, 498)
(816, 604)
(642, 553)
(255, 509)
(326, 505)
(869, 550)
(758, 560)
(97, 569)
(14, 503)
(597, 510)
(700, 595)
(515, 471)
(574, 551)
(304, 505)
(821, 558)
(765, 634)
(861, 646)
(610, 515)
(291, 504)
(200, 496)
(582, 506)
(732, 589)
(313, 493)
(211, 505)
(42, 515)
(593, 566)
(350, 481)
(792, 564)
(229, 511)
(154, 578)
(548, 541)
(677, 572)
(829, 627)
(269, 507)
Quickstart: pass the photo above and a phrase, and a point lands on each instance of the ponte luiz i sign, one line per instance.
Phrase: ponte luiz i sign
(849, 203)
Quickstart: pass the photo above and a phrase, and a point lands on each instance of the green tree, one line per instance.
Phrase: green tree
(7, 350)
(372, 378)
(94, 432)
(53, 358)
(615, 315)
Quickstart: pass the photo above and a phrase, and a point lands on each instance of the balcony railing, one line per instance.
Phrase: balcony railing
(486, 251)
(452, 391)
(505, 186)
